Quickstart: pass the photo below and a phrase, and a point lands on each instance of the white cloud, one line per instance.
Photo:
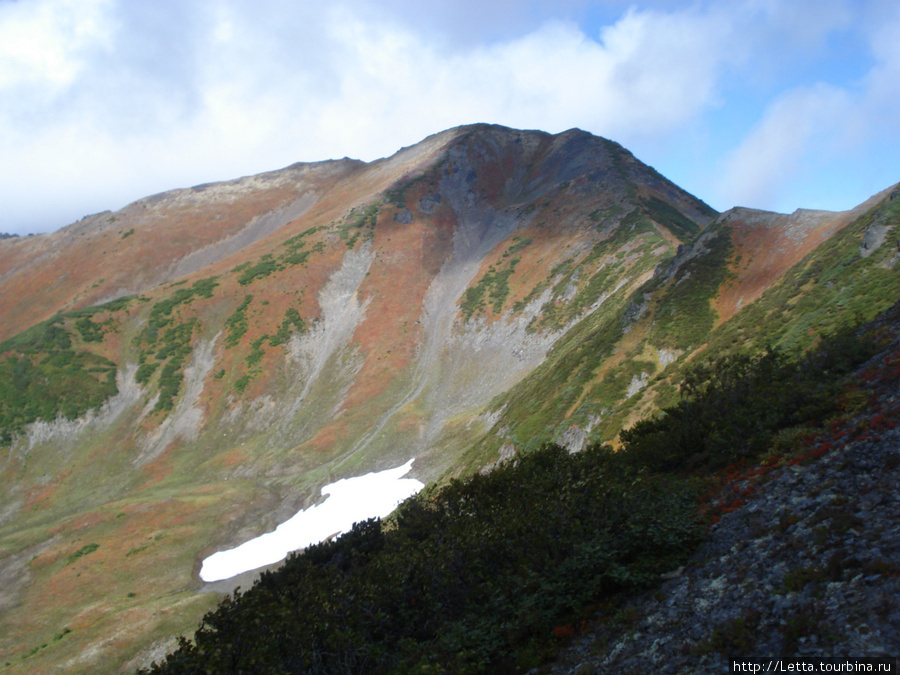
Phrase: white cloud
(665, 68)
(837, 136)
(46, 42)
(388, 86)
(881, 102)
(235, 88)
(806, 24)
(124, 99)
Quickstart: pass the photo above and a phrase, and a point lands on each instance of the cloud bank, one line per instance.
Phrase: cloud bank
(751, 101)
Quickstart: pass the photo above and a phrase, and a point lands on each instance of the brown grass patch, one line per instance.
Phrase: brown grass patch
(389, 335)
(766, 246)
(327, 437)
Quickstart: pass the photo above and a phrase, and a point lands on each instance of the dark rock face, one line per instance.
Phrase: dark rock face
(404, 217)
(876, 233)
(429, 203)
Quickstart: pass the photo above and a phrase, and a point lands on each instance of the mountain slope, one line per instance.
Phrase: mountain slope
(463, 300)
(803, 560)
(749, 280)
(471, 577)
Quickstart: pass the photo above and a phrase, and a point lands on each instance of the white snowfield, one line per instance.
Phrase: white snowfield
(350, 500)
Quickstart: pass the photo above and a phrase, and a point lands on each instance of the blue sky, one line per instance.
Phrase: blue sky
(774, 104)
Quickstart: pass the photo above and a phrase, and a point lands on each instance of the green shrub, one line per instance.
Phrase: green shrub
(359, 219)
(87, 549)
(43, 377)
(494, 285)
(90, 331)
(735, 406)
(665, 214)
(168, 338)
(145, 372)
(160, 315)
(292, 322)
(267, 265)
(685, 314)
(236, 324)
(256, 351)
(241, 383)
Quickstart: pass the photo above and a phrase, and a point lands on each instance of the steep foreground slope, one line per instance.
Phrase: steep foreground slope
(802, 559)
(231, 348)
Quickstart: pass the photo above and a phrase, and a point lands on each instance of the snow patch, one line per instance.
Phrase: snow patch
(349, 501)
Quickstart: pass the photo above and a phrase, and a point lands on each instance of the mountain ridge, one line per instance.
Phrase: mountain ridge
(462, 301)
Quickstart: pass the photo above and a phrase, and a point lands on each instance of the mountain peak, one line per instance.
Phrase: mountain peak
(222, 352)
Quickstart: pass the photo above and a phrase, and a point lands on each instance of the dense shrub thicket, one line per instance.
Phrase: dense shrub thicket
(168, 339)
(475, 576)
(44, 374)
(733, 406)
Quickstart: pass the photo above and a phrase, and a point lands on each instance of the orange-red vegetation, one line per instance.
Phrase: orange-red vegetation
(390, 333)
(766, 246)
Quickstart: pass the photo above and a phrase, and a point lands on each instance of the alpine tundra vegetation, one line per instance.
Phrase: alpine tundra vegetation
(578, 358)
